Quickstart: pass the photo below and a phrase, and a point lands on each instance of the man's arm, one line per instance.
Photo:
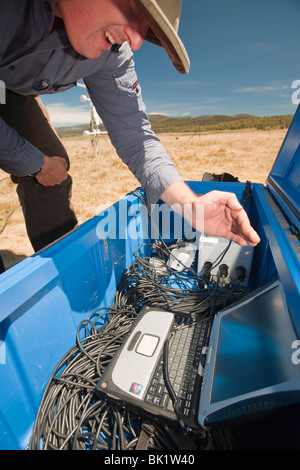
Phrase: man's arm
(116, 95)
(19, 157)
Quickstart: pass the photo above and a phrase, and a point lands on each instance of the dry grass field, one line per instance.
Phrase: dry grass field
(248, 155)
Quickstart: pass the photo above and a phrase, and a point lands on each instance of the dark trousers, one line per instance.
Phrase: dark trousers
(47, 210)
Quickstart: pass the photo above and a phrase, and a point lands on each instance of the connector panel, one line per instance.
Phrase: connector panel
(224, 260)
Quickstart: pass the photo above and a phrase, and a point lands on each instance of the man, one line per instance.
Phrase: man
(45, 47)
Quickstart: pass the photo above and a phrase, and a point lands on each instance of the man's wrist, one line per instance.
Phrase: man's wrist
(36, 172)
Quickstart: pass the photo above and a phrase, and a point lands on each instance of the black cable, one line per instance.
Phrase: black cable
(169, 386)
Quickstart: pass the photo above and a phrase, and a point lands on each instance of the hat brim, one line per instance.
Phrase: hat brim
(162, 33)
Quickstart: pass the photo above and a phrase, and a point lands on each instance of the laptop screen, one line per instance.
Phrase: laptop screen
(251, 356)
(254, 349)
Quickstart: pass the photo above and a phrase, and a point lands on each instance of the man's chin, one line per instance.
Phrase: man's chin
(92, 55)
(88, 52)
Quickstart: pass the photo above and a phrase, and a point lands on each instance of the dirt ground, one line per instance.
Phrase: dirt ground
(101, 181)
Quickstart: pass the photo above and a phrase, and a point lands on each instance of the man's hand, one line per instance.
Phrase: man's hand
(54, 171)
(221, 214)
(225, 217)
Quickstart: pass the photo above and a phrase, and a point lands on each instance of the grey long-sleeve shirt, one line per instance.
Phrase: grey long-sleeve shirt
(36, 59)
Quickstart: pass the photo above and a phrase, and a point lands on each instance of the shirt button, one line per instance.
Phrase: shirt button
(41, 85)
(11, 67)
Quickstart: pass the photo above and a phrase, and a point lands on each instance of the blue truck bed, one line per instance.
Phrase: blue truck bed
(44, 298)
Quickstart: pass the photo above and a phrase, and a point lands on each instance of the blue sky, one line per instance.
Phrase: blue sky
(244, 56)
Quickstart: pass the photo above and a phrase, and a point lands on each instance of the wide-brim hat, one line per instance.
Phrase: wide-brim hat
(163, 17)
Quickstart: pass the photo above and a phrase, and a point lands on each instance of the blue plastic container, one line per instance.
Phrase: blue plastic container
(45, 297)
(43, 300)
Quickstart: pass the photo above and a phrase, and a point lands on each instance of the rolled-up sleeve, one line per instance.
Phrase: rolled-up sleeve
(116, 95)
(17, 156)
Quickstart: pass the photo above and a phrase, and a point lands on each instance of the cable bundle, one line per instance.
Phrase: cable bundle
(149, 280)
(71, 416)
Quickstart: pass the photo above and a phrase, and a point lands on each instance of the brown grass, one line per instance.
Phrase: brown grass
(98, 183)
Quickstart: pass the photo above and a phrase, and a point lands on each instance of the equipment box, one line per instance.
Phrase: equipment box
(44, 298)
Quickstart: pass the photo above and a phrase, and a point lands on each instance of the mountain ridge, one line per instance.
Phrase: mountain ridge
(206, 123)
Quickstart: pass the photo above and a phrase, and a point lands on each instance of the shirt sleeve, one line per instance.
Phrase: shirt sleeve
(17, 156)
(116, 95)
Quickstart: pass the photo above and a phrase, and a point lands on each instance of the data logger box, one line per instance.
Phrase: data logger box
(45, 297)
(216, 252)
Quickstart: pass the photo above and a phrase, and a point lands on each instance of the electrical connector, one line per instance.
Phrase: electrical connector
(223, 270)
(240, 273)
(183, 256)
(207, 272)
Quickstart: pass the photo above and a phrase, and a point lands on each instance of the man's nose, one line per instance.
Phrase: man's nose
(136, 35)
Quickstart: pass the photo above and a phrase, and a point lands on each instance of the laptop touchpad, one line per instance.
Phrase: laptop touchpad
(147, 345)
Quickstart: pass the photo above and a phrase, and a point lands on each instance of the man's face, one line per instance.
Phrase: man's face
(94, 25)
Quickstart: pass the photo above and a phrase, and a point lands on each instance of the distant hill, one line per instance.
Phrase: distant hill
(72, 130)
(154, 117)
(213, 123)
(206, 123)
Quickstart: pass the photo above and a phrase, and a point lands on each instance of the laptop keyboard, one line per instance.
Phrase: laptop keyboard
(184, 356)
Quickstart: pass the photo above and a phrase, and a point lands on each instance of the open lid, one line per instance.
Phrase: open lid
(284, 178)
